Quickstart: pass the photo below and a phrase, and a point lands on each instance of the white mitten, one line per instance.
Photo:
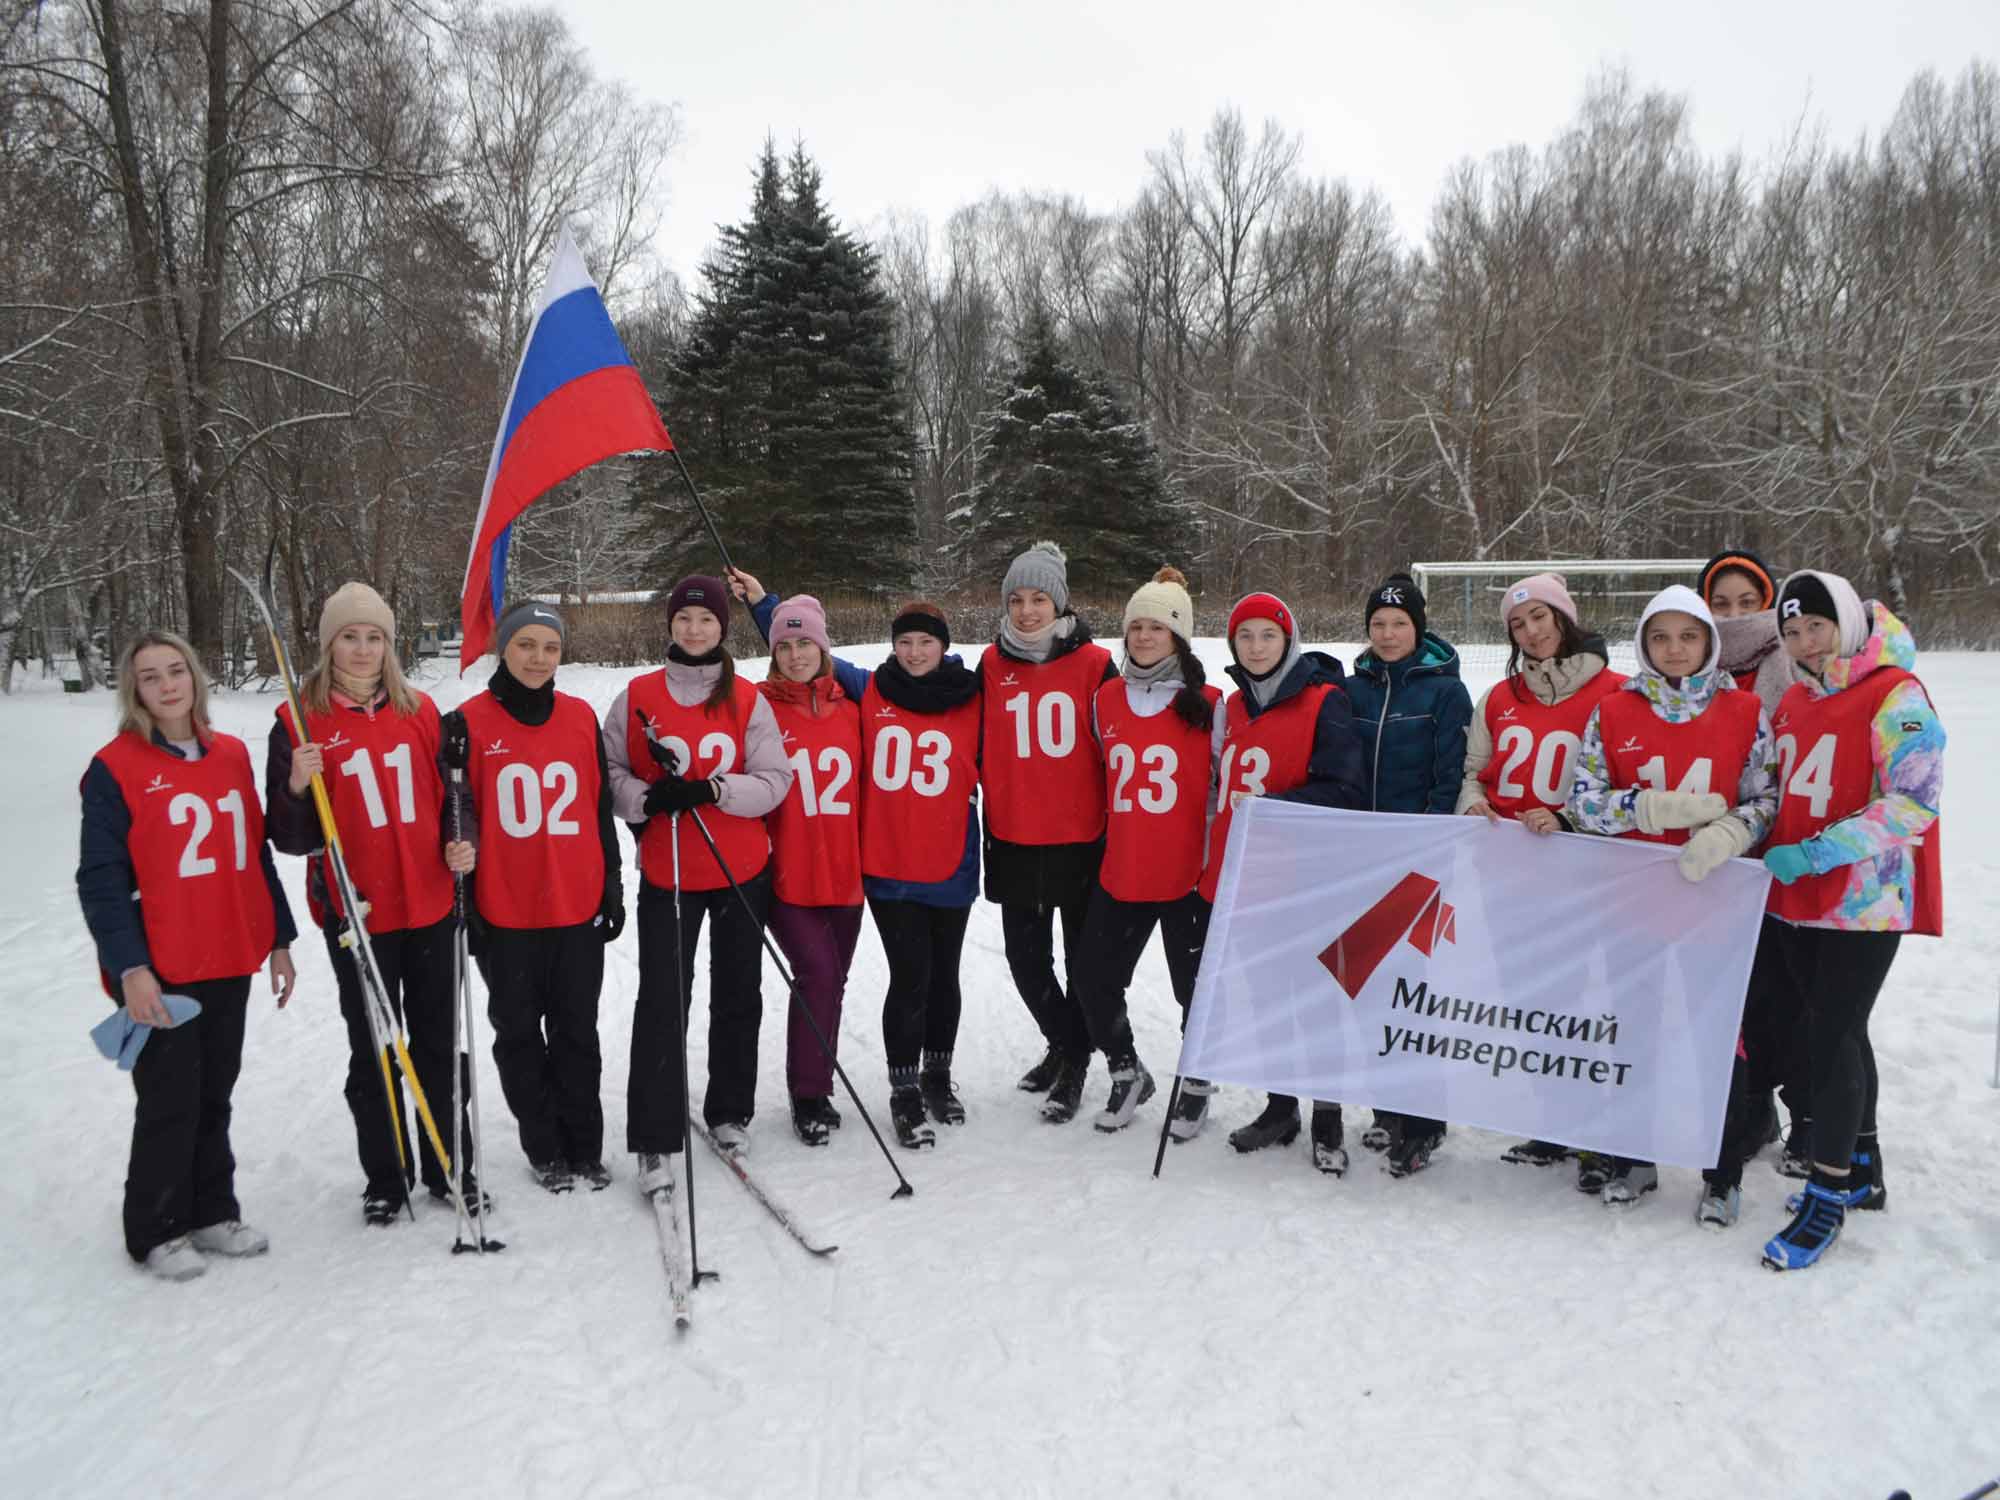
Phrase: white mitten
(1659, 812)
(1712, 846)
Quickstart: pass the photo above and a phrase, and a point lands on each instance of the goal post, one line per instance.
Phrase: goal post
(1463, 601)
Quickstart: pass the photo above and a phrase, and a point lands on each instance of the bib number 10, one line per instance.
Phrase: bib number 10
(1813, 777)
(1054, 717)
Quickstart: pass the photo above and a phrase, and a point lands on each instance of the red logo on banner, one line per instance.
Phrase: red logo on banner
(1412, 909)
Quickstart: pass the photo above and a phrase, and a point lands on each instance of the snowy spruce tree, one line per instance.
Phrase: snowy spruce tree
(783, 402)
(1060, 458)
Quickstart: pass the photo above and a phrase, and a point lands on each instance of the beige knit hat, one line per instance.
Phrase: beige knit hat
(355, 604)
(1164, 599)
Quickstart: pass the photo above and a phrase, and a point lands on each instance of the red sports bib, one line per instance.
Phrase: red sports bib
(541, 863)
(1535, 743)
(1270, 753)
(196, 840)
(708, 744)
(1156, 794)
(388, 803)
(1704, 754)
(816, 830)
(1826, 772)
(920, 773)
(1039, 761)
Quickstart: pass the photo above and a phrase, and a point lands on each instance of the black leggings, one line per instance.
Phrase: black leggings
(1115, 934)
(1833, 977)
(920, 1012)
(1028, 932)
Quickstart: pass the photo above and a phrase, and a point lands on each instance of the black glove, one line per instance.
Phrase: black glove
(454, 742)
(670, 794)
(663, 754)
(611, 915)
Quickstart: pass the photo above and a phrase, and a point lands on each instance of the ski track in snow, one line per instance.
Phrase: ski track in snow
(1041, 1319)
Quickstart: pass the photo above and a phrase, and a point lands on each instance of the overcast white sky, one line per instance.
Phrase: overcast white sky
(923, 105)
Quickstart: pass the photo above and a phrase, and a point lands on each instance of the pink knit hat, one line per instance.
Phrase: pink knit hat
(1543, 588)
(800, 617)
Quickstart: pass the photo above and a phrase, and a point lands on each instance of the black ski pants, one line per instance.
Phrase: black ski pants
(542, 986)
(1833, 977)
(416, 967)
(920, 1011)
(655, 1106)
(1029, 933)
(1115, 934)
(182, 1175)
(1774, 1027)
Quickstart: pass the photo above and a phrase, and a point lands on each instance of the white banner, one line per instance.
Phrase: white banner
(1570, 988)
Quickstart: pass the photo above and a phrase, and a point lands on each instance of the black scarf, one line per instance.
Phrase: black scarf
(708, 658)
(939, 690)
(529, 705)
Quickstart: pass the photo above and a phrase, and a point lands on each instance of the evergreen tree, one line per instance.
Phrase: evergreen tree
(783, 402)
(1061, 459)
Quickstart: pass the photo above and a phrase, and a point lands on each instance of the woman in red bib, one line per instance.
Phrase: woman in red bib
(1854, 853)
(815, 851)
(375, 742)
(1161, 735)
(920, 714)
(1680, 756)
(1521, 749)
(1044, 780)
(183, 902)
(693, 740)
(1288, 733)
(548, 892)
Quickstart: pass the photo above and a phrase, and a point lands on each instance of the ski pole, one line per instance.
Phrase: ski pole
(1173, 1100)
(374, 991)
(695, 1275)
(670, 763)
(462, 1069)
(903, 1189)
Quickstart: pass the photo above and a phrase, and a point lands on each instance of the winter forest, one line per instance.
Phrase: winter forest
(266, 269)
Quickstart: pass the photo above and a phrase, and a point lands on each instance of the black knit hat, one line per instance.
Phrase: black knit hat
(1804, 594)
(1749, 564)
(704, 592)
(1397, 591)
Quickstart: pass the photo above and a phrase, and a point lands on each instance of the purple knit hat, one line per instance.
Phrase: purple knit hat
(800, 618)
(703, 592)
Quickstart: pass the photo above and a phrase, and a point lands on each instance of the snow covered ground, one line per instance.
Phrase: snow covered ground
(1042, 1319)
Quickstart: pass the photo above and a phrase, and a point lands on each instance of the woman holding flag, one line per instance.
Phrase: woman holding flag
(375, 741)
(170, 813)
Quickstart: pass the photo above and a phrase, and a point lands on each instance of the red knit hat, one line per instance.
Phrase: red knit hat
(1262, 607)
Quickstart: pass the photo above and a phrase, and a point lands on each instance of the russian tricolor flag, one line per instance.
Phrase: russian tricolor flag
(576, 398)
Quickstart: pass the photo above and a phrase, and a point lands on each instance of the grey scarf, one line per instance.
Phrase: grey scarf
(1039, 646)
(1166, 669)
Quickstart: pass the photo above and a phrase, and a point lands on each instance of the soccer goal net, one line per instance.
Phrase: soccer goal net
(1463, 600)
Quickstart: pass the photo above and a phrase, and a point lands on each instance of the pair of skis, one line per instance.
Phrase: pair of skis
(666, 1218)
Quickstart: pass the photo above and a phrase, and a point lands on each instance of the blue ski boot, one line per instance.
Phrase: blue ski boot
(1822, 1212)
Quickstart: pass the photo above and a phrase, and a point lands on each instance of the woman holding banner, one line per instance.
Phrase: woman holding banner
(1651, 753)
(1854, 852)
(1412, 714)
(1162, 742)
(1521, 748)
(1288, 732)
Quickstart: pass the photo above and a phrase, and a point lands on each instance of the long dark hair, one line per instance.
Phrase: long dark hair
(1574, 639)
(1191, 703)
